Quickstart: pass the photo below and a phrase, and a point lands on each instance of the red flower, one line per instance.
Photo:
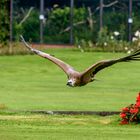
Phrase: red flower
(134, 110)
(131, 113)
(138, 104)
(124, 121)
(138, 97)
(123, 115)
(125, 109)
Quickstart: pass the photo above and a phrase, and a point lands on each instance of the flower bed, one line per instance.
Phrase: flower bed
(131, 113)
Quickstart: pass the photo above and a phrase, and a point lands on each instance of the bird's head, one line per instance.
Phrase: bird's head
(71, 83)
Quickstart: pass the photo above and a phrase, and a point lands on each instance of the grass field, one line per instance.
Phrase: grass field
(29, 82)
(58, 127)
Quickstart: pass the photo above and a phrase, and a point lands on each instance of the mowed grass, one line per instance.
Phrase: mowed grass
(58, 127)
(29, 82)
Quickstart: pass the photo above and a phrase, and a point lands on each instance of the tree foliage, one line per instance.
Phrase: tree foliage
(85, 23)
(4, 21)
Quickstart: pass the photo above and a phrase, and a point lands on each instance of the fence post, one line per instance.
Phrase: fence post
(71, 21)
(130, 21)
(41, 17)
(101, 14)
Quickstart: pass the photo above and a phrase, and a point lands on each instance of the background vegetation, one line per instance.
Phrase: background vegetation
(58, 20)
(86, 33)
(4, 22)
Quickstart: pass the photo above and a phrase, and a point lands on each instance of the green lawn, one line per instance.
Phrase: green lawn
(29, 82)
(55, 127)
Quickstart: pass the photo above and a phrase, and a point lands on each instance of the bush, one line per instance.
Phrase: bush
(59, 20)
(29, 29)
(4, 22)
(57, 28)
(106, 41)
(131, 113)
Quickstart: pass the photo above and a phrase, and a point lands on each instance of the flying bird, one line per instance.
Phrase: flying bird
(76, 78)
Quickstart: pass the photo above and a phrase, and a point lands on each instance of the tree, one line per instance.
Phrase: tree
(4, 21)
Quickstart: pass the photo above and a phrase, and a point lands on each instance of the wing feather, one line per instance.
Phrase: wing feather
(64, 66)
(92, 70)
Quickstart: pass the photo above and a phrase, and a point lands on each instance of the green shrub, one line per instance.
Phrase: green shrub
(57, 27)
(4, 22)
(29, 29)
(106, 41)
(59, 19)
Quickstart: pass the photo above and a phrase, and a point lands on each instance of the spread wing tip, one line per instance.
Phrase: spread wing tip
(24, 42)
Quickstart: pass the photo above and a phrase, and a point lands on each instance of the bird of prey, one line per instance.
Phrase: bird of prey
(76, 78)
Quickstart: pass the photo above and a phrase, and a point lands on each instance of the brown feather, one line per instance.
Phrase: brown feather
(76, 78)
(64, 66)
(91, 71)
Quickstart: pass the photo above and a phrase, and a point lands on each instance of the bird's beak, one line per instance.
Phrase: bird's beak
(69, 84)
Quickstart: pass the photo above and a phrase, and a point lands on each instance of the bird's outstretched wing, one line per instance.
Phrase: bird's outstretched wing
(91, 71)
(64, 66)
